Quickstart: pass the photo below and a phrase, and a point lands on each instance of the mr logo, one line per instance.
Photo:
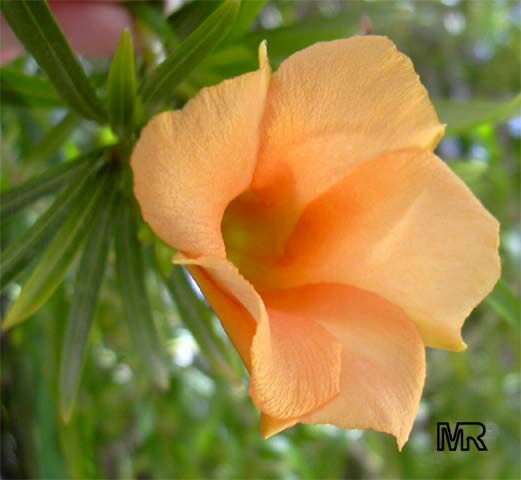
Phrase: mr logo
(464, 433)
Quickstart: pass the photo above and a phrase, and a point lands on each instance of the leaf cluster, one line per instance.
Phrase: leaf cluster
(72, 236)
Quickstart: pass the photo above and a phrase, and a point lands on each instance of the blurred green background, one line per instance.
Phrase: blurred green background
(468, 54)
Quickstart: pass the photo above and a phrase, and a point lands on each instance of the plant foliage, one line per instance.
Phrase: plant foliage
(124, 371)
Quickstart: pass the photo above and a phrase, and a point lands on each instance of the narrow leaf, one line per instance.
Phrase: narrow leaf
(463, 116)
(160, 84)
(51, 269)
(122, 85)
(136, 305)
(22, 251)
(49, 182)
(54, 138)
(22, 90)
(198, 320)
(191, 14)
(35, 26)
(154, 18)
(247, 14)
(89, 278)
(504, 301)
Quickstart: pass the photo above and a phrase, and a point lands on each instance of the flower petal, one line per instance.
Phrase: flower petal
(383, 358)
(271, 426)
(335, 104)
(294, 362)
(295, 366)
(92, 28)
(406, 228)
(10, 47)
(189, 164)
(236, 320)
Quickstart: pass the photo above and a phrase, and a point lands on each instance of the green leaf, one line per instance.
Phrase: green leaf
(247, 14)
(51, 269)
(22, 90)
(54, 138)
(122, 85)
(35, 26)
(49, 182)
(154, 18)
(160, 84)
(198, 319)
(185, 20)
(20, 252)
(504, 301)
(463, 116)
(136, 305)
(89, 278)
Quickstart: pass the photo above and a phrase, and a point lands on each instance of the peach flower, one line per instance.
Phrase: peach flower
(331, 242)
(91, 26)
